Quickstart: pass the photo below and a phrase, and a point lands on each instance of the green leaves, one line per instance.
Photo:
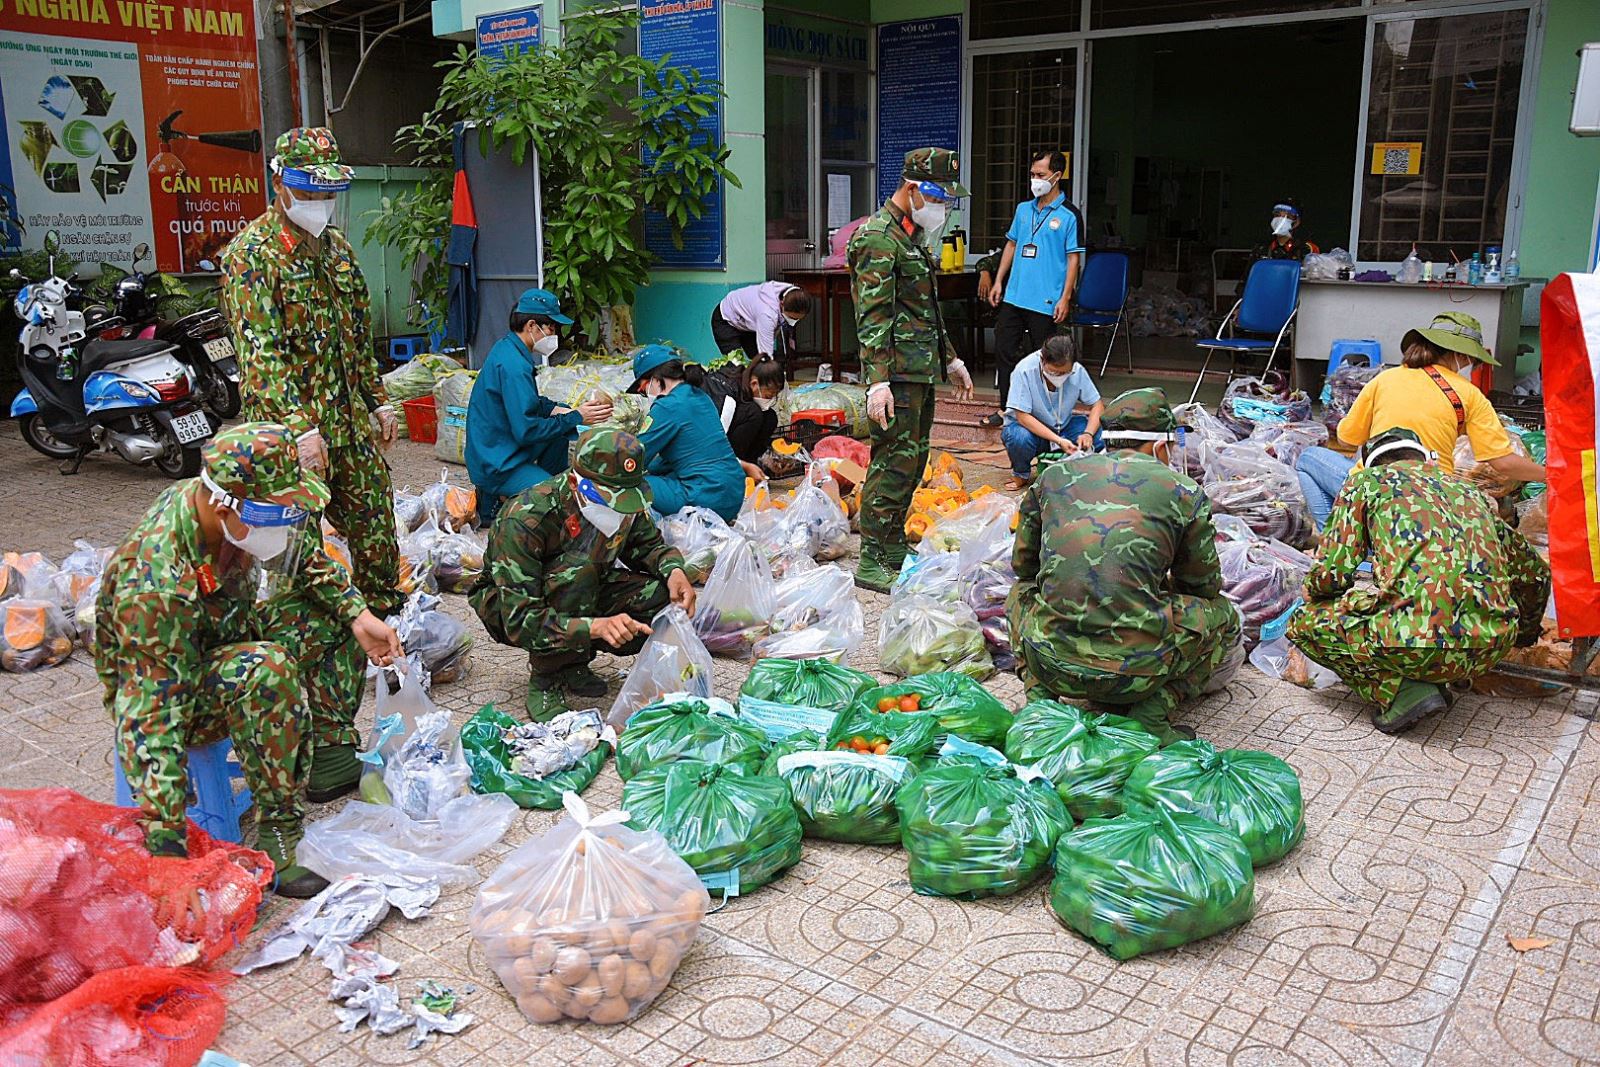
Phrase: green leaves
(593, 114)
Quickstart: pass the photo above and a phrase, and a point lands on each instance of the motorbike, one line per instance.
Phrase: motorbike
(203, 340)
(83, 395)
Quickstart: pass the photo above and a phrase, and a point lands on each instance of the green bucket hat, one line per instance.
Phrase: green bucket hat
(610, 468)
(941, 166)
(259, 461)
(1391, 441)
(307, 158)
(1455, 331)
(1139, 415)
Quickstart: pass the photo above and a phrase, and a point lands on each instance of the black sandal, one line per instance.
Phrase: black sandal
(993, 422)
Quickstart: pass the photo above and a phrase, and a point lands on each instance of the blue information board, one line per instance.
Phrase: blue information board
(508, 32)
(689, 33)
(919, 92)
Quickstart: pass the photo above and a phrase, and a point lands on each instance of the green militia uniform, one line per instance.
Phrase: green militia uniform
(302, 322)
(1119, 598)
(188, 657)
(548, 572)
(903, 342)
(1454, 588)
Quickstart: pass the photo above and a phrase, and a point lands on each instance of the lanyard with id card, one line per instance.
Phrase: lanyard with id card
(1031, 249)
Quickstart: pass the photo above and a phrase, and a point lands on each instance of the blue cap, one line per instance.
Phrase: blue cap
(542, 302)
(648, 359)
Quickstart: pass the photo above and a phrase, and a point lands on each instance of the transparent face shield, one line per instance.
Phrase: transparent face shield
(275, 539)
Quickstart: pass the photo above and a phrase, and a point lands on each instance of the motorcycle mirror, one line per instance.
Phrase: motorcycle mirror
(141, 252)
(17, 274)
(206, 264)
(52, 242)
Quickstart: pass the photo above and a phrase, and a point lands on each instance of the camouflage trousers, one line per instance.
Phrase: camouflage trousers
(361, 508)
(1374, 672)
(620, 591)
(899, 455)
(1207, 651)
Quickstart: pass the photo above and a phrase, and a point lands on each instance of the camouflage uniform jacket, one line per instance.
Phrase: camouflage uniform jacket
(302, 322)
(1448, 572)
(1104, 542)
(164, 605)
(545, 565)
(893, 284)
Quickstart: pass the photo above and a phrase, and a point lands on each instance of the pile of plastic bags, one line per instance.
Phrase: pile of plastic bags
(1262, 576)
(1244, 480)
(534, 763)
(590, 920)
(38, 604)
(700, 534)
(1248, 402)
(1160, 312)
(1204, 433)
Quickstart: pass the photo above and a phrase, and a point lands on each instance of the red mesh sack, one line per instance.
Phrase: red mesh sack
(79, 895)
(129, 1017)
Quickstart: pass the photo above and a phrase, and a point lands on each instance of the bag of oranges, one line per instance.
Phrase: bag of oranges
(961, 705)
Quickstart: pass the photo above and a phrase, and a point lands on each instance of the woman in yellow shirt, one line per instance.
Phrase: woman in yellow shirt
(1429, 393)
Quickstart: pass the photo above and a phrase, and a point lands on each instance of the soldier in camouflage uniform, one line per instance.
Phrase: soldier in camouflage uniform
(1455, 588)
(299, 307)
(551, 583)
(1118, 601)
(221, 617)
(905, 349)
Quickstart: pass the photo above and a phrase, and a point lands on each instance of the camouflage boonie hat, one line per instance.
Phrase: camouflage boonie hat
(259, 461)
(613, 461)
(307, 158)
(1393, 440)
(937, 165)
(1139, 415)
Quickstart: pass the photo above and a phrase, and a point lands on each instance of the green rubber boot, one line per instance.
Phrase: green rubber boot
(879, 566)
(335, 771)
(279, 836)
(545, 701)
(1415, 700)
(581, 681)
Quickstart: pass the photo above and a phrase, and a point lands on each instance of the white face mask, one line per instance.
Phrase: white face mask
(791, 322)
(260, 542)
(1039, 186)
(546, 346)
(311, 216)
(1057, 380)
(1281, 225)
(931, 217)
(605, 519)
(765, 402)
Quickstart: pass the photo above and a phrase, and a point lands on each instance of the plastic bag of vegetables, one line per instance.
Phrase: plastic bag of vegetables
(1087, 756)
(970, 523)
(808, 594)
(831, 637)
(672, 661)
(780, 721)
(1243, 480)
(737, 606)
(588, 921)
(920, 635)
(1263, 578)
(683, 727)
(1254, 794)
(936, 575)
(1247, 402)
(974, 825)
(1204, 433)
(457, 561)
(414, 759)
(960, 705)
(34, 634)
(808, 683)
(736, 828)
(1150, 880)
(814, 524)
(452, 395)
(488, 738)
(844, 787)
(455, 507)
(1284, 441)
(1342, 388)
(699, 534)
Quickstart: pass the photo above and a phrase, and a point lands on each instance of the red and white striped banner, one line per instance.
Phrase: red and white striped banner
(1569, 339)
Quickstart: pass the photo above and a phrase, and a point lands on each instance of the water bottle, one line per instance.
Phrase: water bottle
(1475, 270)
(1513, 271)
(1491, 266)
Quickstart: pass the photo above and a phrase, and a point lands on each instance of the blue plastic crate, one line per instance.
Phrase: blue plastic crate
(405, 349)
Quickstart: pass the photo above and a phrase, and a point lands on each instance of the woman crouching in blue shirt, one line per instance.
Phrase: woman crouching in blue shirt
(690, 461)
(1046, 388)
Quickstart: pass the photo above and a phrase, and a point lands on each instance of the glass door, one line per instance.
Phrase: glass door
(791, 139)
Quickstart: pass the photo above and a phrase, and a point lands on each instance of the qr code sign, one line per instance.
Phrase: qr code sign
(1397, 160)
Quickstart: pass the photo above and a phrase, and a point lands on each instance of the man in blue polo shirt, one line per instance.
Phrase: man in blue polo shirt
(1038, 270)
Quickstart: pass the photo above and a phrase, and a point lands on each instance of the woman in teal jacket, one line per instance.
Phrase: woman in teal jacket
(516, 437)
(690, 459)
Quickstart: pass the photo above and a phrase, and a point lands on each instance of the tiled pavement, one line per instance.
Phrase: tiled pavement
(1381, 940)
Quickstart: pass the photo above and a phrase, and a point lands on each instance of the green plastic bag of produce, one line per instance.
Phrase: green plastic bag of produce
(1254, 794)
(810, 683)
(1087, 756)
(962, 705)
(483, 741)
(736, 828)
(683, 727)
(1150, 880)
(846, 792)
(779, 721)
(974, 825)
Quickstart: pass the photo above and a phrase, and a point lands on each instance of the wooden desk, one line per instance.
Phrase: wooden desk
(830, 291)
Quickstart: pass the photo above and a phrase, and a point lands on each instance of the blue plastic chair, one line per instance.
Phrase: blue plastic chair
(212, 770)
(1101, 297)
(1267, 308)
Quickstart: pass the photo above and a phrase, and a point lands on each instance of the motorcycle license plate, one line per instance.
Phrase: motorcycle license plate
(191, 427)
(219, 348)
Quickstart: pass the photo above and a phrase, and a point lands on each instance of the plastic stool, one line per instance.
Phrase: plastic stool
(216, 808)
(404, 349)
(1373, 350)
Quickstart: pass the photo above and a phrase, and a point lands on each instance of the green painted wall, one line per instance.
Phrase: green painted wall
(384, 268)
(1562, 169)
(905, 10)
